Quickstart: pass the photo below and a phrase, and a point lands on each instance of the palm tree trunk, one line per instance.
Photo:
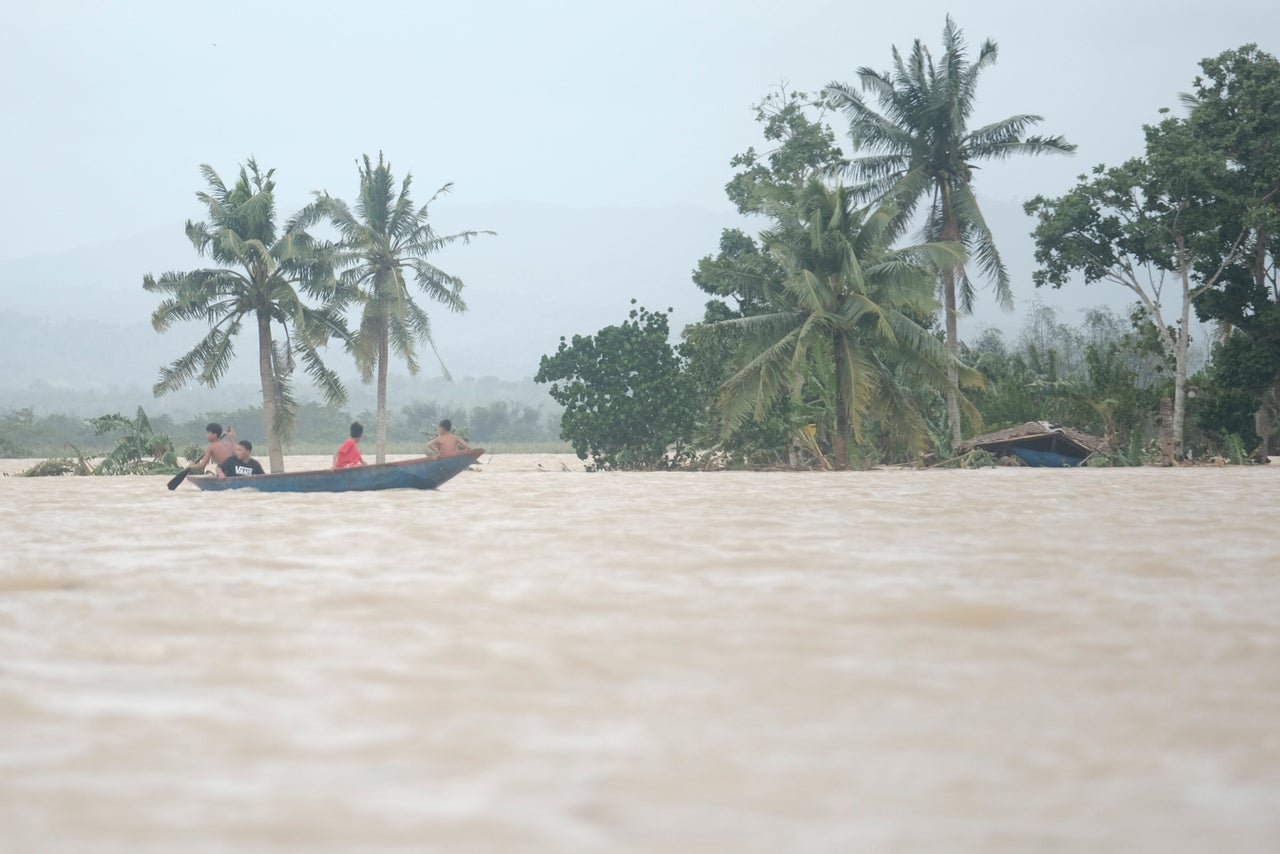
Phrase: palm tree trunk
(840, 447)
(953, 347)
(270, 406)
(383, 349)
(951, 232)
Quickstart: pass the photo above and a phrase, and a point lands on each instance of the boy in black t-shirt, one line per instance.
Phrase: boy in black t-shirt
(241, 465)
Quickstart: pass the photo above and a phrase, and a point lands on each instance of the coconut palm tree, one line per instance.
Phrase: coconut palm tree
(919, 146)
(263, 279)
(384, 241)
(849, 301)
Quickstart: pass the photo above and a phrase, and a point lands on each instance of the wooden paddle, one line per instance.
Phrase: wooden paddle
(178, 478)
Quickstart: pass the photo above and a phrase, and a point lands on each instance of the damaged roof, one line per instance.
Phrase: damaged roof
(1037, 435)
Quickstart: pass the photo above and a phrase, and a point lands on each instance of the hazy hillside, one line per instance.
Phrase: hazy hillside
(77, 322)
(80, 319)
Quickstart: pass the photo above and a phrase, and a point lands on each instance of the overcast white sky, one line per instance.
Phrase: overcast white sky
(109, 107)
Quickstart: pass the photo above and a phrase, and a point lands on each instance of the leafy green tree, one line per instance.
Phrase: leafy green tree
(1226, 403)
(385, 241)
(802, 146)
(626, 400)
(741, 277)
(265, 278)
(1235, 112)
(919, 146)
(1151, 225)
(850, 299)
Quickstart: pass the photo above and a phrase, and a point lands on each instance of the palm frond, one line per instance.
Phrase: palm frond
(183, 370)
(420, 323)
(978, 239)
(758, 383)
(437, 284)
(1032, 145)
(286, 404)
(326, 380)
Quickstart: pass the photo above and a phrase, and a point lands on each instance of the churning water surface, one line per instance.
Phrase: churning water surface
(541, 659)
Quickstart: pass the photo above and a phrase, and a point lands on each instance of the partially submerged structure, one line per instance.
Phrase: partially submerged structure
(1038, 443)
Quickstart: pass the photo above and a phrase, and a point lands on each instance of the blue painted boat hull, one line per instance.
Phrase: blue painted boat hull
(407, 474)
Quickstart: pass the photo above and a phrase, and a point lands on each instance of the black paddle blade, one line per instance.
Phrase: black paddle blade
(178, 478)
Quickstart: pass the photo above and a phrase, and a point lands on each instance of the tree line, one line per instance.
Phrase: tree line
(316, 427)
(831, 333)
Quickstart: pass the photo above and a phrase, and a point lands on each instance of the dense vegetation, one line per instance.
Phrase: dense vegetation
(804, 357)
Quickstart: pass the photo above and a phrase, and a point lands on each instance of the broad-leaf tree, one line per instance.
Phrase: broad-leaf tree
(918, 147)
(801, 146)
(1235, 112)
(849, 300)
(1154, 226)
(386, 243)
(270, 278)
(626, 399)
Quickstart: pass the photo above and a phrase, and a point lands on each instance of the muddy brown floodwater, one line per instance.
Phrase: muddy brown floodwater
(534, 658)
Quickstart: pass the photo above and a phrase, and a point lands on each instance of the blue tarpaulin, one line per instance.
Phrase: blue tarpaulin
(1043, 459)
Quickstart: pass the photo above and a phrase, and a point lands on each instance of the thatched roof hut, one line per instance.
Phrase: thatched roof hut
(1038, 437)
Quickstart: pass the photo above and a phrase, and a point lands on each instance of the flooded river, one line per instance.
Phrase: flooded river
(540, 659)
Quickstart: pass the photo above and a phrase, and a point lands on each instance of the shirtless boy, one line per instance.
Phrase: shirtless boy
(446, 443)
(220, 447)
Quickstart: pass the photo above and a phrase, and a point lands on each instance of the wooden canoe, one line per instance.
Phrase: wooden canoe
(425, 473)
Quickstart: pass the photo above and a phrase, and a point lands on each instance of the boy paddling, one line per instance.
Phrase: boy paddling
(220, 447)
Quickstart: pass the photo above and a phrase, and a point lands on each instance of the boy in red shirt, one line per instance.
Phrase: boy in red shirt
(349, 454)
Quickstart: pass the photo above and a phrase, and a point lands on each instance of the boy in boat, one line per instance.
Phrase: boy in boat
(349, 454)
(446, 443)
(220, 448)
(241, 465)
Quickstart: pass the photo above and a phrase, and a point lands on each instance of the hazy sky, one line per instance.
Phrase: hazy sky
(109, 107)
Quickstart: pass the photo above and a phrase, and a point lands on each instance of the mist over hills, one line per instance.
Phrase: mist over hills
(75, 334)
(78, 321)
